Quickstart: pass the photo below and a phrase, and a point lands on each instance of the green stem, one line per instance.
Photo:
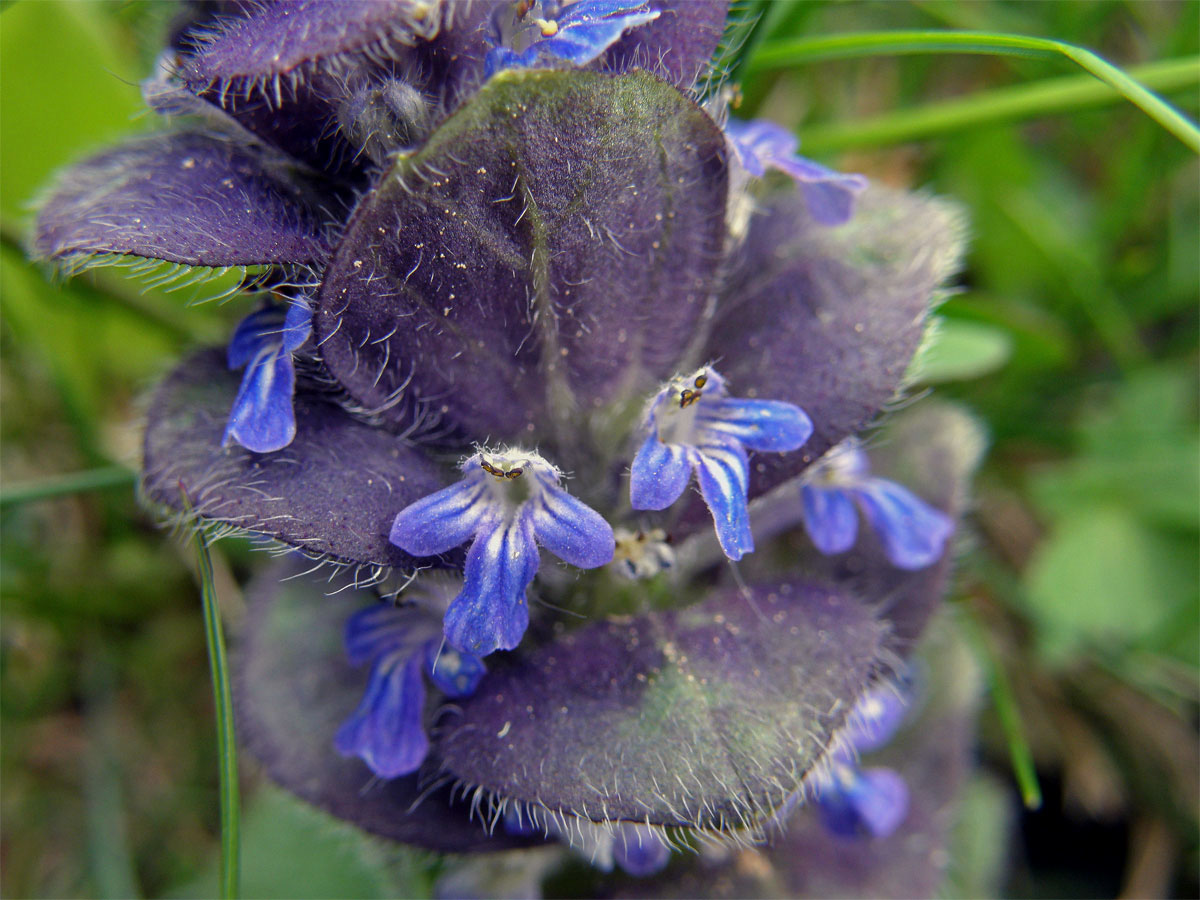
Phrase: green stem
(1010, 717)
(785, 54)
(73, 483)
(1042, 98)
(226, 742)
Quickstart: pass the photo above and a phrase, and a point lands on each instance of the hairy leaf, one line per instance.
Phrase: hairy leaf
(554, 242)
(294, 688)
(704, 716)
(678, 45)
(182, 197)
(828, 318)
(333, 491)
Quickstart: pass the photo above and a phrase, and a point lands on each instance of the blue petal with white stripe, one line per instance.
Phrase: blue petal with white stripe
(523, 35)
(724, 476)
(763, 145)
(386, 730)
(692, 424)
(262, 419)
(830, 518)
(402, 644)
(444, 520)
(659, 475)
(492, 613)
(913, 533)
(507, 503)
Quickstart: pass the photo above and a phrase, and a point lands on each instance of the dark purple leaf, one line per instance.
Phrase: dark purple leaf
(293, 688)
(276, 39)
(553, 243)
(185, 198)
(283, 70)
(333, 491)
(678, 45)
(702, 716)
(829, 318)
(932, 752)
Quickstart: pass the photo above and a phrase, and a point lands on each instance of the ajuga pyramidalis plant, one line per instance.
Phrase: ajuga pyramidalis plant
(564, 371)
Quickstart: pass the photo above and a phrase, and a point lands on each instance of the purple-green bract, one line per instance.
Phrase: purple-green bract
(509, 280)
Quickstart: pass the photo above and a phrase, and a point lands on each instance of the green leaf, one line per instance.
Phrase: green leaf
(785, 54)
(294, 851)
(1005, 104)
(1103, 577)
(958, 350)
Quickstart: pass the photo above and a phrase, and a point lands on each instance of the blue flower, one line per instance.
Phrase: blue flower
(508, 502)
(763, 145)
(262, 418)
(853, 800)
(579, 32)
(913, 533)
(403, 644)
(692, 424)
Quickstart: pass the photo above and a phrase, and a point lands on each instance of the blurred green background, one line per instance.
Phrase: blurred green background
(1074, 337)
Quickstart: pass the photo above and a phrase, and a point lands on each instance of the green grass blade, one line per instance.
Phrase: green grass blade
(226, 742)
(786, 54)
(1054, 95)
(1010, 717)
(74, 483)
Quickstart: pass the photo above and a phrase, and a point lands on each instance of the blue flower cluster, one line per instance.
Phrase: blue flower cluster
(525, 282)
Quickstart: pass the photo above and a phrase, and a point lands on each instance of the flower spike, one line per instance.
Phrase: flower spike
(525, 32)
(693, 425)
(913, 533)
(387, 730)
(509, 502)
(763, 145)
(262, 418)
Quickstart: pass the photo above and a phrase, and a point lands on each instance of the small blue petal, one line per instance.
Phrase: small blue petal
(582, 32)
(571, 530)
(297, 326)
(443, 520)
(759, 424)
(262, 418)
(913, 533)
(259, 330)
(491, 613)
(876, 717)
(875, 801)
(384, 629)
(584, 42)
(640, 850)
(454, 673)
(724, 475)
(659, 474)
(829, 194)
(518, 820)
(829, 518)
(386, 729)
